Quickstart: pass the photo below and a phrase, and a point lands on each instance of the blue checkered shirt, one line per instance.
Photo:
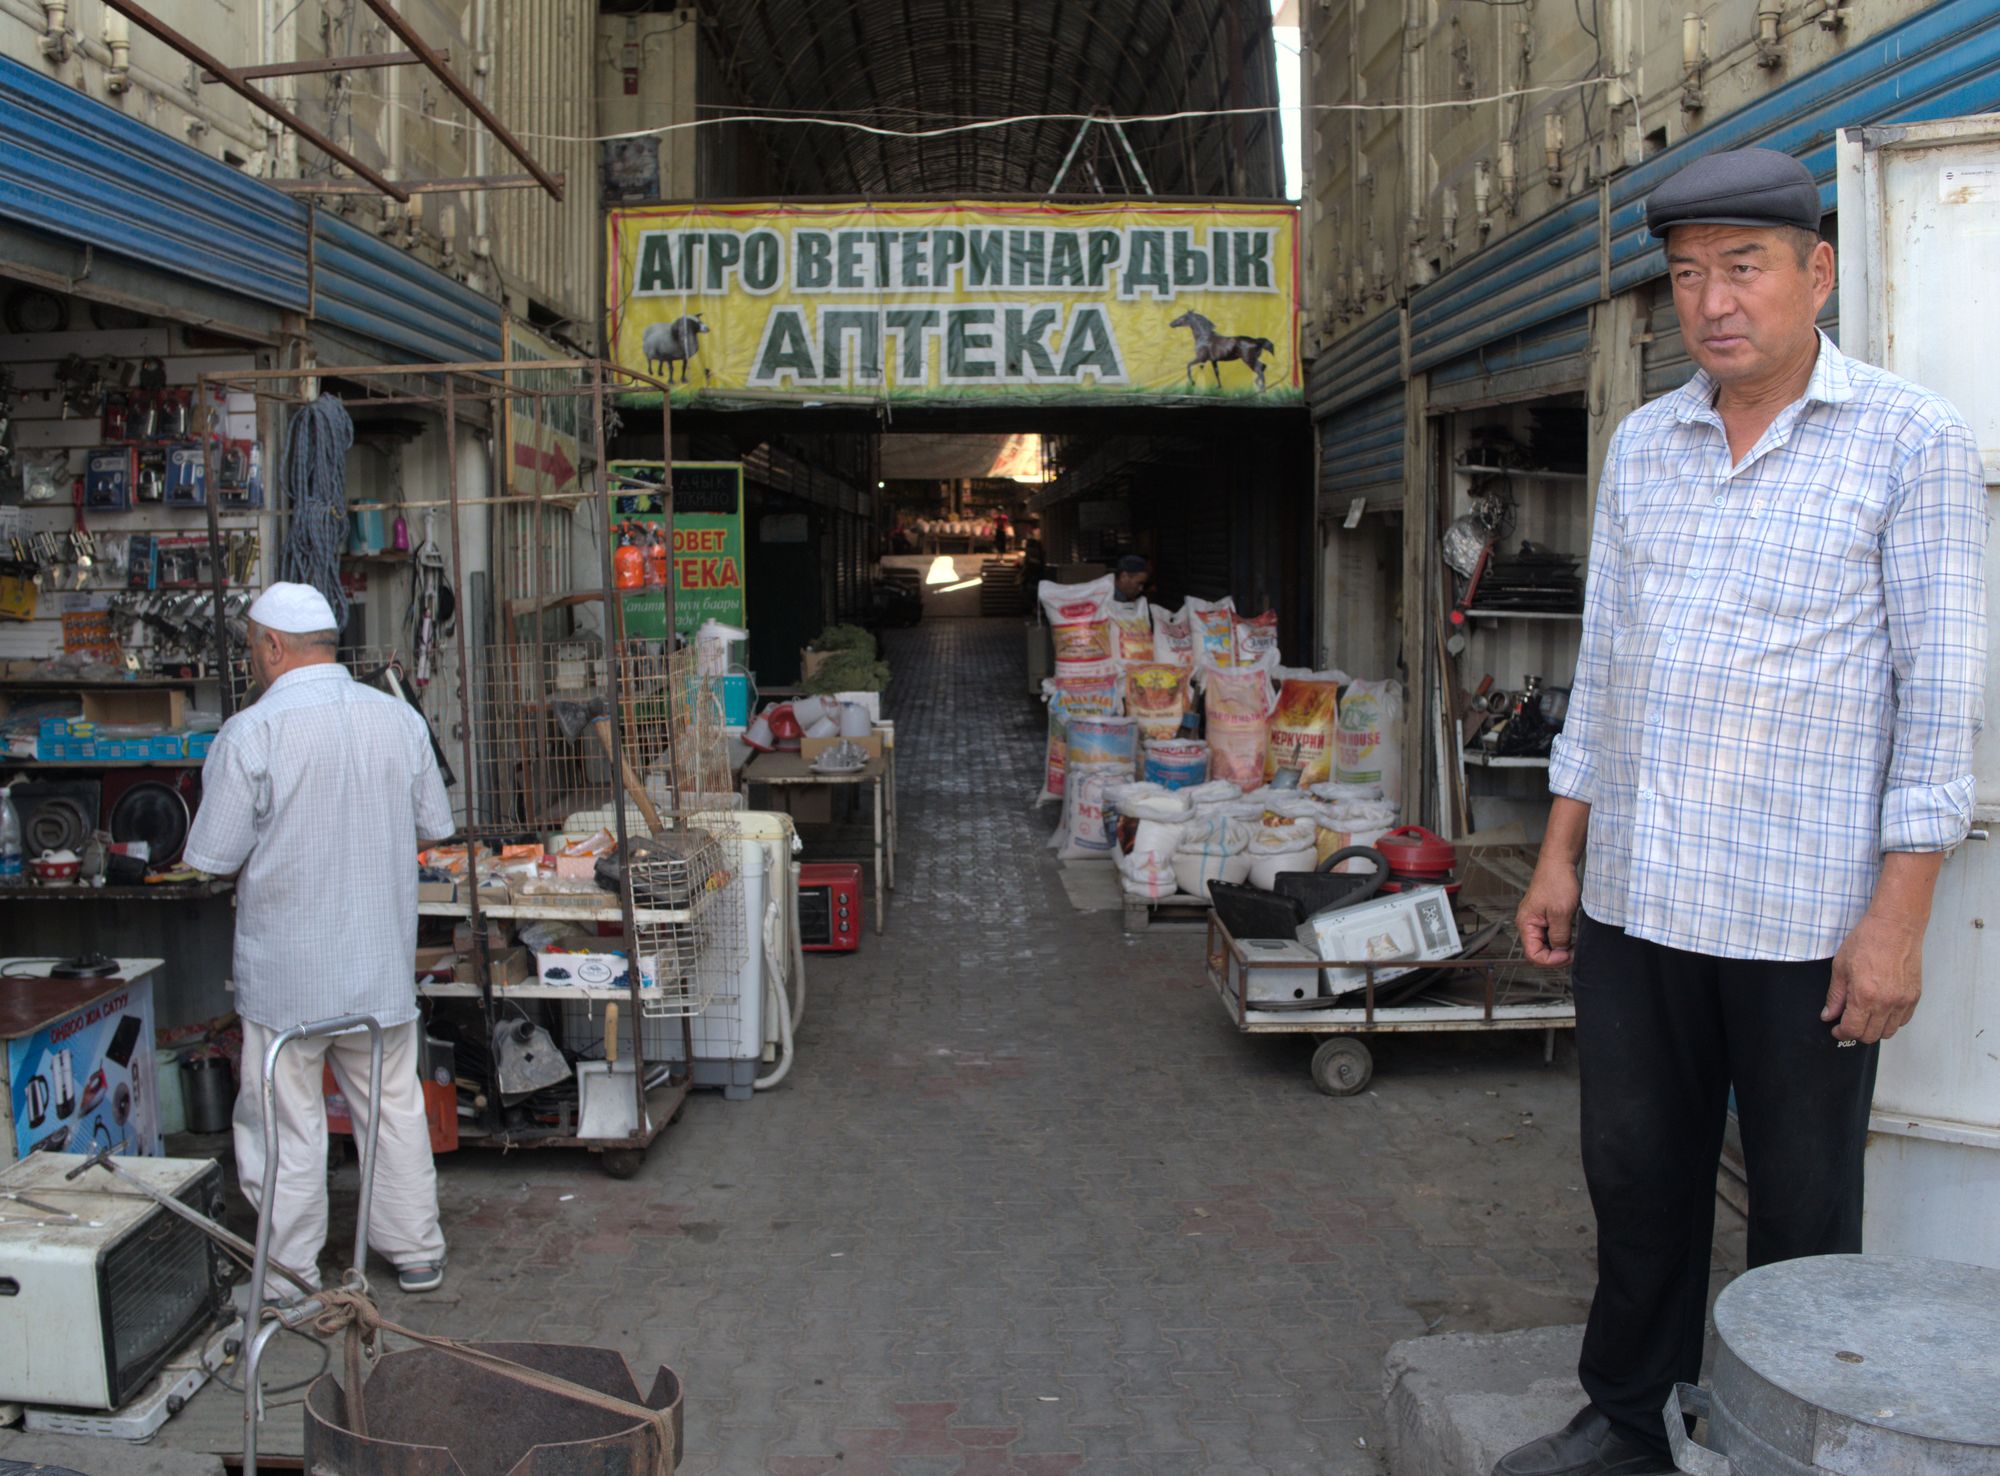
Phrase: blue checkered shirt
(1783, 662)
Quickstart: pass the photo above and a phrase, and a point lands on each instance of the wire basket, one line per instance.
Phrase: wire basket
(687, 905)
(540, 715)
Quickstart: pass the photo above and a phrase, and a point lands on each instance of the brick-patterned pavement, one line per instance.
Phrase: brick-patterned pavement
(1028, 1203)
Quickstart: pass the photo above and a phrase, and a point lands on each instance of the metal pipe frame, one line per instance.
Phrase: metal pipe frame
(416, 187)
(327, 64)
(260, 1264)
(154, 26)
(407, 34)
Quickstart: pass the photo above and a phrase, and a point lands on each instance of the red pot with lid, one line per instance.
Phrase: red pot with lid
(1418, 856)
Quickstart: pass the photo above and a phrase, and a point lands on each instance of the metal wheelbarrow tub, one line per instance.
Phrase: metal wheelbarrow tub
(432, 1414)
(1849, 1366)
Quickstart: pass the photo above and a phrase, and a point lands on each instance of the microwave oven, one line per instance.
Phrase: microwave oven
(830, 907)
(99, 1285)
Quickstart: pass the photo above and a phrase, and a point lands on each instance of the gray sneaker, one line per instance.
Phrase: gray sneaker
(421, 1276)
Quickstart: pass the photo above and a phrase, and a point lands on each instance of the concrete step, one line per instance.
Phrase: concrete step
(1458, 1402)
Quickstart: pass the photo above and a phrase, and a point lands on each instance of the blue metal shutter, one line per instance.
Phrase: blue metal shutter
(369, 287)
(1356, 394)
(83, 171)
(1550, 358)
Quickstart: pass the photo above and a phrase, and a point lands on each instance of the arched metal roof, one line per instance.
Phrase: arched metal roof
(925, 63)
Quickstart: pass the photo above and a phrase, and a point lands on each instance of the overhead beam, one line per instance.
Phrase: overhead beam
(407, 34)
(146, 21)
(328, 64)
(414, 186)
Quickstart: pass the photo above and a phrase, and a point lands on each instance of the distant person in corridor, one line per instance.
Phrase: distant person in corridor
(1767, 754)
(1131, 576)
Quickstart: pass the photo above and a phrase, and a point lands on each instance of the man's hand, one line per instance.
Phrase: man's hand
(1877, 976)
(1547, 914)
(1879, 971)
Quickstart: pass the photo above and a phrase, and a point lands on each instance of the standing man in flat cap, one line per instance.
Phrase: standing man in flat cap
(1767, 754)
(316, 798)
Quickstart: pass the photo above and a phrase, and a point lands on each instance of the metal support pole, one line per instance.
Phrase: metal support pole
(1068, 159)
(216, 574)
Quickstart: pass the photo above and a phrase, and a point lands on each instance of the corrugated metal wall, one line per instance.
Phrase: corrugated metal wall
(542, 87)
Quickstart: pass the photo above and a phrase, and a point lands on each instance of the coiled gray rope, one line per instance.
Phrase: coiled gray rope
(313, 473)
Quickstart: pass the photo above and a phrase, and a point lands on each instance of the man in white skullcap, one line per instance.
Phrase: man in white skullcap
(316, 799)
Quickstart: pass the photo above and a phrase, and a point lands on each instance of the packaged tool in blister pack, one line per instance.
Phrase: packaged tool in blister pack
(109, 473)
(186, 475)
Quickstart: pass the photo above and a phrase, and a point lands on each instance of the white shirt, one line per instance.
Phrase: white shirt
(1783, 663)
(319, 796)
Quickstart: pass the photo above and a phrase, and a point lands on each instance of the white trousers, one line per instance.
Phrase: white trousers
(403, 1212)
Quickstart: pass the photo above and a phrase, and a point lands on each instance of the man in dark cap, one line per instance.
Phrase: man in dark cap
(1767, 753)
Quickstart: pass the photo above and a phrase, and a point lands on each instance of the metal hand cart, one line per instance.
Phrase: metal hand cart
(1491, 987)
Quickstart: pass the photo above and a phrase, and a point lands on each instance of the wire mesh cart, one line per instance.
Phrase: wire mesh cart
(1276, 988)
(553, 731)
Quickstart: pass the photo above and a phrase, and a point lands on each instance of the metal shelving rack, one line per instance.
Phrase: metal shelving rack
(506, 749)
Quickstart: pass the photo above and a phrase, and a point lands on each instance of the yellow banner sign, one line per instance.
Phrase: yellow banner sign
(982, 300)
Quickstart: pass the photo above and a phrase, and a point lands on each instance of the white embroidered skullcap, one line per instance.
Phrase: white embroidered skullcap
(295, 609)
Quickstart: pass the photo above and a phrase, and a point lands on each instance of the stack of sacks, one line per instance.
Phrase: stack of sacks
(1213, 847)
(1238, 706)
(1103, 740)
(1116, 797)
(1351, 815)
(1081, 834)
(1288, 846)
(1368, 746)
(1177, 763)
(1302, 729)
(1098, 693)
(1156, 824)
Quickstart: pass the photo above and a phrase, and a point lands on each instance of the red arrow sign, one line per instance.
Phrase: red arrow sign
(551, 462)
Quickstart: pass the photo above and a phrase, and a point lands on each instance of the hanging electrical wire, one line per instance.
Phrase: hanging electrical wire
(313, 474)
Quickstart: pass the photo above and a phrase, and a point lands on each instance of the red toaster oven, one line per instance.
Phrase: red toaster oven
(830, 906)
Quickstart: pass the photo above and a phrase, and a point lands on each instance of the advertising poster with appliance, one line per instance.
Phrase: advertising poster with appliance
(708, 545)
(85, 1080)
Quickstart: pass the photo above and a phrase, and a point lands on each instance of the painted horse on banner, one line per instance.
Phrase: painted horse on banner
(1216, 349)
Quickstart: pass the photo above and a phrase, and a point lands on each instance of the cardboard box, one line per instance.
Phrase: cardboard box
(1403, 930)
(430, 891)
(515, 966)
(812, 806)
(431, 958)
(811, 748)
(198, 745)
(605, 970)
(164, 708)
(810, 662)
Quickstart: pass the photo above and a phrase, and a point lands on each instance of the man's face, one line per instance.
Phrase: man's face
(1746, 302)
(1131, 584)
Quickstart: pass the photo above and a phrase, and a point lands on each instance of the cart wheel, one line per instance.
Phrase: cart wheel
(622, 1163)
(1342, 1066)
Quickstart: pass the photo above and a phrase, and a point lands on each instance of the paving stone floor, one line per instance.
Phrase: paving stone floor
(1027, 1203)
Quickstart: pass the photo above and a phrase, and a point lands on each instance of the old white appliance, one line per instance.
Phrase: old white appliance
(1919, 235)
(100, 1285)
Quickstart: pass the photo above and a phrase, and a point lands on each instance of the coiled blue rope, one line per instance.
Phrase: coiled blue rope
(313, 473)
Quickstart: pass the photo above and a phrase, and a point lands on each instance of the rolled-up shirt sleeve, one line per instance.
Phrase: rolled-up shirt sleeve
(234, 796)
(1573, 759)
(1934, 586)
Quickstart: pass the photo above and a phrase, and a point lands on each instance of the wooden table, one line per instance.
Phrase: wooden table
(789, 771)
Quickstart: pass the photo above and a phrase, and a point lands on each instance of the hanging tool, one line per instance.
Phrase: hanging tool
(573, 718)
(426, 579)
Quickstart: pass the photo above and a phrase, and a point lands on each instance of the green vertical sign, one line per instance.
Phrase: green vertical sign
(708, 544)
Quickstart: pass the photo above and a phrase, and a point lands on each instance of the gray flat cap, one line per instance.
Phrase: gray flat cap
(1746, 187)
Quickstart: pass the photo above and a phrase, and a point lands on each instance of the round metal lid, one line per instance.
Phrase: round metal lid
(1896, 1342)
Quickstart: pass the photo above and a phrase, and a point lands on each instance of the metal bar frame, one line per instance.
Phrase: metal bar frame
(143, 18)
(415, 187)
(487, 382)
(327, 64)
(407, 34)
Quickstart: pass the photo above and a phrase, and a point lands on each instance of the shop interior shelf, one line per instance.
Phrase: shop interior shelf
(1476, 758)
(1524, 614)
(618, 993)
(24, 763)
(1524, 471)
(553, 912)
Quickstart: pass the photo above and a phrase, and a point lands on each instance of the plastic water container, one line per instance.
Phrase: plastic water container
(167, 1082)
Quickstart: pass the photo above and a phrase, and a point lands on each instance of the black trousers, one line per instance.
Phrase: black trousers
(1661, 1036)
